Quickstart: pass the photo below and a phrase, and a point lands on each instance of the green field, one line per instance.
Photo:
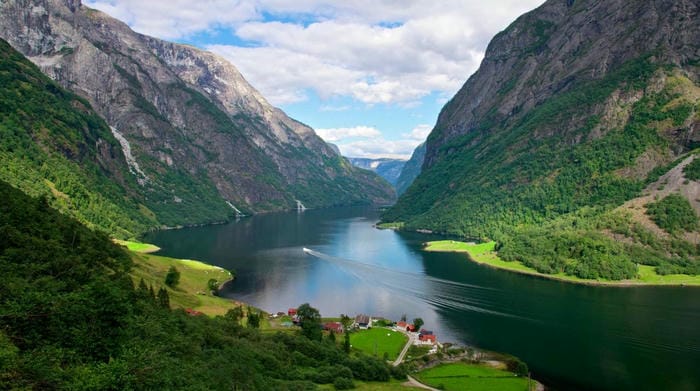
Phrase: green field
(192, 291)
(461, 376)
(138, 246)
(484, 253)
(379, 340)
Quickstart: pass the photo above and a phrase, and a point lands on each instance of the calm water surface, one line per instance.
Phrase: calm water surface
(571, 336)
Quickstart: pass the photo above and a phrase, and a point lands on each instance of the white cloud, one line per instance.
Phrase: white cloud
(174, 19)
(379, 147)
(338, 134)
(420, 132)
(374, 51)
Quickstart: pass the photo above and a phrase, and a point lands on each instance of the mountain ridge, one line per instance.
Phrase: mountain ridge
(199, 132)
(576, 108)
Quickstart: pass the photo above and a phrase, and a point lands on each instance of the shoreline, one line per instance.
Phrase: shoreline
(484, 254)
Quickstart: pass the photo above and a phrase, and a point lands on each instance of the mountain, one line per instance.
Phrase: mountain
(411, 169)
(52, 144)
(578, 108)
(199, 140)
(389, 169)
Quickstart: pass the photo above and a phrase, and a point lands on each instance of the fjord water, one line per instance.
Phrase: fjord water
(571, 336)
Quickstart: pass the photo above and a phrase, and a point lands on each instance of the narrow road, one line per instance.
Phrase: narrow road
(411, 338)
(415, 383)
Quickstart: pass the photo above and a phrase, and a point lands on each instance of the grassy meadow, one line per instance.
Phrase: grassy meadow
(485, 253)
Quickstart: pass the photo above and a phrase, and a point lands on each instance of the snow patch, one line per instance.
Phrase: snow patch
(134, 168)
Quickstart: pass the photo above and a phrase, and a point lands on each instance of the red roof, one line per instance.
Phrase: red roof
(337, 327)
(410, 327)
(401, 324)
(192, 312)
(427, 337)
(291, 311)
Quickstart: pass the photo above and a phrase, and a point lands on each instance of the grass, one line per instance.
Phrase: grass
(477, 377)
(391, 385)
(138, 246)
(381, 339)
(484, 253)
(191, 291)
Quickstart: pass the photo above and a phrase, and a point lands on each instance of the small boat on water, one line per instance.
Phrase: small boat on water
(306, 250)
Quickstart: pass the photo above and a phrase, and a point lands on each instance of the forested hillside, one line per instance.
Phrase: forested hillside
(53, 144)
(539, 155)
(70, 318)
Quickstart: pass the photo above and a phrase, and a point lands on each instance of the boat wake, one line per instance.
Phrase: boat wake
(435, 291)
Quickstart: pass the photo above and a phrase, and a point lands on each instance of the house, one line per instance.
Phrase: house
(405, 326)
(363, 321)
(336, 327)
(425, 332)
(292, 311)
(427, 338)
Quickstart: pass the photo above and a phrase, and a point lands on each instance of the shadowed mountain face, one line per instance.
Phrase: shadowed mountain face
(389, 169)
(411, 169)
(577, 103)
(195, 134)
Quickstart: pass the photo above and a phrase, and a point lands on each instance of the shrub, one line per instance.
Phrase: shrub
(343, 383)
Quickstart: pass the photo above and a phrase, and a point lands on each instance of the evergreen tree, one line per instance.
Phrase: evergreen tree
(163, 298)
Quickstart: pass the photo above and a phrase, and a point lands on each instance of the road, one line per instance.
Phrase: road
(411, 338)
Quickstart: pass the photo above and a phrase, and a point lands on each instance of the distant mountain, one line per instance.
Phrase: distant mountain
(196, 136)
(389, 169)
(576, 110)
(411, 169)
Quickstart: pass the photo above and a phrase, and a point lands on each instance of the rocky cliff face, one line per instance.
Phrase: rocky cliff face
(559, 46)
(577, 103)
(198, 134)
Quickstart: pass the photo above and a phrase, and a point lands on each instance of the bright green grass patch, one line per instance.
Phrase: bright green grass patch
(191, 291)
(461, 376)
(457, 246)
(378, 340)
(484, 253)
(138, 246)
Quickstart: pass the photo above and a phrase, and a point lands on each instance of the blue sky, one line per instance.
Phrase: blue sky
(369, 75)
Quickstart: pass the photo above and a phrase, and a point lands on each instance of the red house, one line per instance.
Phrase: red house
(427, 338)
(292, 311)
(405, 326)
(336, 327)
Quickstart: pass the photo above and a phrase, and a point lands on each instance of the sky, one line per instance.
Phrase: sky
(368, 75)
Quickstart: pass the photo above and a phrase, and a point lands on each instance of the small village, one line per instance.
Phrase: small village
(417, 335)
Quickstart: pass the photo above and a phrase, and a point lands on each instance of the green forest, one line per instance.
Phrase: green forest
(527, 193)
(71, 318)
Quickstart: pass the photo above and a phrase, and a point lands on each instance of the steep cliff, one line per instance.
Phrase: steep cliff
(199, 136)
(411, 169)
(576, 105)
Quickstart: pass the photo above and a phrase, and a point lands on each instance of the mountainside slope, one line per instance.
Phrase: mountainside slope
(199, 135)
(72, 319)
(52, 144)
(576, 105)
(389, 169)
(411, 169)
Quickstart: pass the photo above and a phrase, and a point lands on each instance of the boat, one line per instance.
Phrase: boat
(306, 250)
